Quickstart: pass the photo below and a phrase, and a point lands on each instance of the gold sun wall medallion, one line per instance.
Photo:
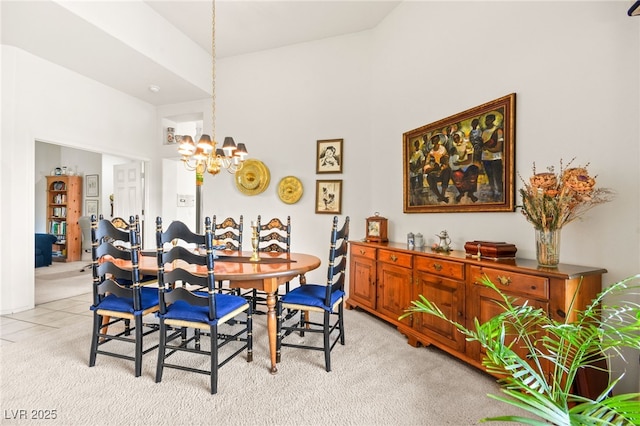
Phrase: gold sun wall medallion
(290, 189)
(253, 178)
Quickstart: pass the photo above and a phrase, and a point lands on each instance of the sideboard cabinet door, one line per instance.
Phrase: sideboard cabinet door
(484, 303)
(394, 285)
(449, 296)
(362, 277)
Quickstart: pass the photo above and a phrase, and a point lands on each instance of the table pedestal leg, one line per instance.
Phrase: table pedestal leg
(271, 324)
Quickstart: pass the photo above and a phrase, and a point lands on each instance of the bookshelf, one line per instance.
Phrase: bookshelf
(64, 207)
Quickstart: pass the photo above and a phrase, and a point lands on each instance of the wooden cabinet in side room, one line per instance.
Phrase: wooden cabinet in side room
(484, 303)
(394, 285)
(441, 282)
(362, 276)
(64, 208)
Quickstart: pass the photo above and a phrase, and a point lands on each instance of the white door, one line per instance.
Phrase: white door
(128, 191)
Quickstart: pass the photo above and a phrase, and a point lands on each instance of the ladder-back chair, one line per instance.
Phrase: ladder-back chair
(327, 300)
(184, 308)
(115, 305)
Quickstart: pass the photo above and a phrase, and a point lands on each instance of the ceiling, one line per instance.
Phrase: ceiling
(58, 35)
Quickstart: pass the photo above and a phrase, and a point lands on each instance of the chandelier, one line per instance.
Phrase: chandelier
(205, 156)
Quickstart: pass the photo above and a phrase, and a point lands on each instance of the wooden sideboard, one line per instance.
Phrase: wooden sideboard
(385, 277)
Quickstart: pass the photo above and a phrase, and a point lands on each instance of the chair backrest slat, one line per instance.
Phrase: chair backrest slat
(229, 232)
(275, 235)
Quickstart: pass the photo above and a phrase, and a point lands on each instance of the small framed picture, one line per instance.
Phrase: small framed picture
(170, 138)
(329, 156)
(329, 196)
(92, 185)
(91, 207)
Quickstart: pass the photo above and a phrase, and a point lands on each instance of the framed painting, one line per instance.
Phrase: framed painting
(329, 156)
(329, 196)
(462, 163)
(92, 185)
(91, 207)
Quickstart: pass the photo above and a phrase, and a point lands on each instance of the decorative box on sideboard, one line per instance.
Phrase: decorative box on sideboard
(385, 277)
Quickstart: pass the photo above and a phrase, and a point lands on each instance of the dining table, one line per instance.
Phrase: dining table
(266, 274)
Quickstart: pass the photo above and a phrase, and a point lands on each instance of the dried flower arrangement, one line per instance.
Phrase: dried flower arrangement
(550, 200)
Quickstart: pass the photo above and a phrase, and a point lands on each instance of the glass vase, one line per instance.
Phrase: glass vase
(548, 247)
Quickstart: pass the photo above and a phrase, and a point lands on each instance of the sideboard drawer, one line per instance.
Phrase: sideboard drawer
(442, 267)
(513, 282)
(395, 258)
(358, 250)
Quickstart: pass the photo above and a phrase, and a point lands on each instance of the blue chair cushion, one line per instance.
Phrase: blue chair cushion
(225, 304)
(148, 299)
(312, 295)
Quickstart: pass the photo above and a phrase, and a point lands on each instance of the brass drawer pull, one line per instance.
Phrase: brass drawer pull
(437, 267)
(504, 280)
(363, 252)
(394, 258)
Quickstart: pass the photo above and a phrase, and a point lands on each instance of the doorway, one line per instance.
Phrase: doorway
(50, 156)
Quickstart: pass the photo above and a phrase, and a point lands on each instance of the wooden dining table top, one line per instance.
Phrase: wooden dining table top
(236, 266)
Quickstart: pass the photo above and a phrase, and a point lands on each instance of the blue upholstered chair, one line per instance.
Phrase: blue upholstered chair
(119, 304)
(224, 318)
(311, 299)
(44, 249)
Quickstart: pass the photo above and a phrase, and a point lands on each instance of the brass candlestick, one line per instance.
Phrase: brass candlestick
(254, 242)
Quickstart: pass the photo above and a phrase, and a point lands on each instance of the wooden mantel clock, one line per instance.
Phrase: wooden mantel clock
(376, 229)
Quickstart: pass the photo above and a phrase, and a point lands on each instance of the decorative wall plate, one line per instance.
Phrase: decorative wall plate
(253, 178)
(290, 189)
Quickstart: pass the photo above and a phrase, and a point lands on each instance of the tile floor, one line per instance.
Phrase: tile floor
(44, 317)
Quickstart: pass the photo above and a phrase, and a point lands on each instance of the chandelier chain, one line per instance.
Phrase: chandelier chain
(213, 71)
(205, 156)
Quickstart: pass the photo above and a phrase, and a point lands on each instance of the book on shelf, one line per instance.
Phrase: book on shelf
(58, 228)
(60, 199)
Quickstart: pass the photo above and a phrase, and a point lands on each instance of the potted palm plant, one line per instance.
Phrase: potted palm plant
(599, 332)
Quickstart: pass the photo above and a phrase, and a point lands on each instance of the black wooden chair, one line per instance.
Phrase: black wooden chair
(116, 305)
(229, 233)
(317, 298)
(207, 313)
(274, 236)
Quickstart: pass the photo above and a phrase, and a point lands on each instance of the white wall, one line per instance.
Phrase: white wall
(279, 103)
(45, 102)
(575, 72)
(177, 180)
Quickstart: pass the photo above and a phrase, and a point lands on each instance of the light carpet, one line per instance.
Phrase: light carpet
(376, 379)
(60, 281)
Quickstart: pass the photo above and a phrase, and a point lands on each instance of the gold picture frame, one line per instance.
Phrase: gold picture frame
(329, 196)
(462, 163)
